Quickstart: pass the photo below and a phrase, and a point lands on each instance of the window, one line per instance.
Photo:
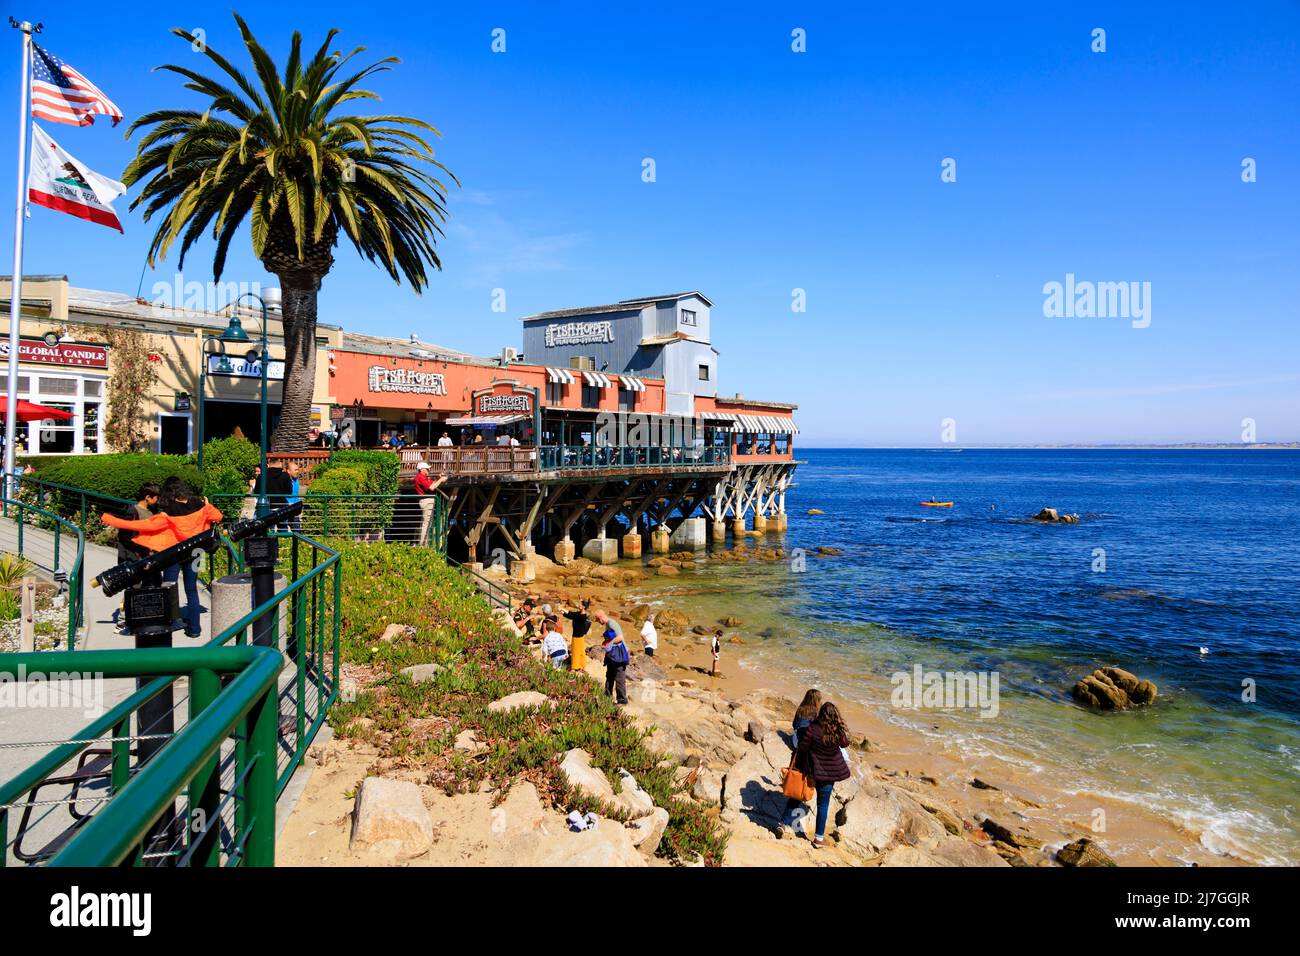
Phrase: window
(58, 386)
(688, 317)
(590, 396)
(554, 393)
(626, 400)
(583, 362)
(94, 389)
(704, 373)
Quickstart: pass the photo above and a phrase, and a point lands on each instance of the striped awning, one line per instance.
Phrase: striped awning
(508, 419)
(632, 383)
(561, 375)
(597, 379)
(765, 424)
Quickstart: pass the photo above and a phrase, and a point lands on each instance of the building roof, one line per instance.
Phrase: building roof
(623, 305)
(752, 403)
(124, 306)
(411, 347)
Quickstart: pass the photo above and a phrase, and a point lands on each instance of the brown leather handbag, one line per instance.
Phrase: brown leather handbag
(796, 784)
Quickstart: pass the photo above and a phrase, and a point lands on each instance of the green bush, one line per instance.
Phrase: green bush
(231, 454)
(381, 470)
(116, 476)
(323, 515)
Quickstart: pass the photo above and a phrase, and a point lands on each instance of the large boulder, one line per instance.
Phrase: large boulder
(583, 777)
(648, 831)
(1112, 688)
(390, 818)
(633, 796)
(874, 817)
(670, 621)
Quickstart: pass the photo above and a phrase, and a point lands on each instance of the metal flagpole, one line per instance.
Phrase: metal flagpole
(16, 302)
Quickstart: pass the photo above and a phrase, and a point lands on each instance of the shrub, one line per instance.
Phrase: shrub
(381, 470)
(117, 476)
(235, 454)
(323, 515)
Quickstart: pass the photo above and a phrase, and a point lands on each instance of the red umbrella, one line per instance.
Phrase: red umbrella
(31, 412)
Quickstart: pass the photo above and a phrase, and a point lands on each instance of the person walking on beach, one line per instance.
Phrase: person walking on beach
(716, 647)
(820, 755)
(554, 647)
(617, 657)
(650, 636)
(804, 715)
(581, 624)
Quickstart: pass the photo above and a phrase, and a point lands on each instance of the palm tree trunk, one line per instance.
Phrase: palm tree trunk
(299, 303)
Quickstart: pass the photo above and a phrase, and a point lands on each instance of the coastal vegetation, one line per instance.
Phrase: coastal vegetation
(414, 724)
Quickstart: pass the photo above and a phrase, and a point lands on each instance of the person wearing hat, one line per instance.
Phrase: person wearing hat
(425, 488)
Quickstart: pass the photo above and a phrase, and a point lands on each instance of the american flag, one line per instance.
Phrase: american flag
(62, 95)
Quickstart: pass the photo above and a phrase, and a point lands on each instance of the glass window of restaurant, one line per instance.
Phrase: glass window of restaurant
(82, 395)
(626, 400)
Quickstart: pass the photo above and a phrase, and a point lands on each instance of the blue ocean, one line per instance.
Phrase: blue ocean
(1184, 567)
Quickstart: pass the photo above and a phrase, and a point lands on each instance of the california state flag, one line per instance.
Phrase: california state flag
(58, 180)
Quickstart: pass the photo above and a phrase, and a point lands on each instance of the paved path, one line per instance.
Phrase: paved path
(42, 726)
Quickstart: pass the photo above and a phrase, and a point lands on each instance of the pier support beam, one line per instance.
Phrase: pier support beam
(780, 521)
(632, 545)
(690, 534)
(602, 550)
(760, 521)
(660, 540)
(738, 529)
(565, 551)
(718, 531)
(523, 570)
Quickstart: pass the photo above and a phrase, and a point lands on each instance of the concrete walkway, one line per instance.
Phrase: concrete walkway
(29, 732)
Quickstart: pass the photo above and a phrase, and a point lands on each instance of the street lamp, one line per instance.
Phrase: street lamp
(236, 335)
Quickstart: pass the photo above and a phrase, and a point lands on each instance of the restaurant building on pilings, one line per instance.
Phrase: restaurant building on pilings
(607, 429)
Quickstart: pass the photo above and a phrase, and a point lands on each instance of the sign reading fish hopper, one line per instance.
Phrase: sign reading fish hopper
(498, 404)
(406, 380)
(579, 333)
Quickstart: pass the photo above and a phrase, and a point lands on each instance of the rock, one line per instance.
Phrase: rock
(390, 818)
(667, 741)
(1047, 514)
(633, 796)
(874, 817)
(524, 698)
(754, 732)
(753, 783)
(1112, 688)
(520, 812)
(709, 786)
(583, 777)
(829, 551)
(958, 852)
(667, 570)
(731, 622)
(979, 784)
(950, 821)
(1083, 852)
(467, 742)
(814, 511)
(609, 844)
(393, 631)
(1004, 834)
(700, 629)
(647, 831)
(671, 621)
(420, 673)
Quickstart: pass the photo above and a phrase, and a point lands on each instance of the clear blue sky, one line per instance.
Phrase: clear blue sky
(819, 171)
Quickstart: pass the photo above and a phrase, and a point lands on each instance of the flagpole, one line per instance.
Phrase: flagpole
(16, 302)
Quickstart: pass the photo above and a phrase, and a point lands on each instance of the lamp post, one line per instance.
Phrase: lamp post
(203, 377)
(235, 334)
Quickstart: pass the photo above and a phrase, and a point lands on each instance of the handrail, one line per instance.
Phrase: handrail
(497, 594)
(76, 576)
(111, 834)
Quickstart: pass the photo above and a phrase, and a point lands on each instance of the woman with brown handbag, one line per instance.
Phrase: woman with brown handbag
(820, 758)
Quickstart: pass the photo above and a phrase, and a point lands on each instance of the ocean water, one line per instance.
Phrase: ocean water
(1184, 568)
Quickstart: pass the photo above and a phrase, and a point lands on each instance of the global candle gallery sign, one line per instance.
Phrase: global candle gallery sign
(75, 354)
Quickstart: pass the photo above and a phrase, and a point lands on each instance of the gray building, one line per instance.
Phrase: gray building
(664, 337)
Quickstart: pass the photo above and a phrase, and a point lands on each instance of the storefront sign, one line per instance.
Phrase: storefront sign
(579, 333)
(236, 367)
(182, 402)
(510, 402)
(406, 380)
(76, 354)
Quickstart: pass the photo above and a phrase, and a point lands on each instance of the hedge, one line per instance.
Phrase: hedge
(228, 465)
(321, 516)
(116, 475)
(380, 469)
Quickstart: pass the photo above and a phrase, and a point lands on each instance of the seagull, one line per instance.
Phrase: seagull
(1204, 651)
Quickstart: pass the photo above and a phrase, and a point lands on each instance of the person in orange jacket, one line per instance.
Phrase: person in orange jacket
(183, 515)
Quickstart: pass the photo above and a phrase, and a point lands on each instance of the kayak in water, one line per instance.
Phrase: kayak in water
(936, 504)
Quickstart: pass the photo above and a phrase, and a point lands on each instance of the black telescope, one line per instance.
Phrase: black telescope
(121, 576)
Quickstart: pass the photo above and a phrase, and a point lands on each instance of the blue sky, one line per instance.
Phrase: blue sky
(819, 171)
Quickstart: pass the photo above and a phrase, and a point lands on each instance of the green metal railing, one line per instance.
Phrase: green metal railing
(498, 595)
(67, 500)
(362, 517)
(232, 777)
(209, 822)
(52, 544)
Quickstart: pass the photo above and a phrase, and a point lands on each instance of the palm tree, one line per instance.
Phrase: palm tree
(281, 155)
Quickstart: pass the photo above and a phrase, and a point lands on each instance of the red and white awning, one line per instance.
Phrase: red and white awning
(597, 379)
(561, 375)
(632, 383)
(758, 424)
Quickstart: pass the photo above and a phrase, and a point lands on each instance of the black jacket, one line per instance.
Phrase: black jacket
(581, 622)
(819, 757)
